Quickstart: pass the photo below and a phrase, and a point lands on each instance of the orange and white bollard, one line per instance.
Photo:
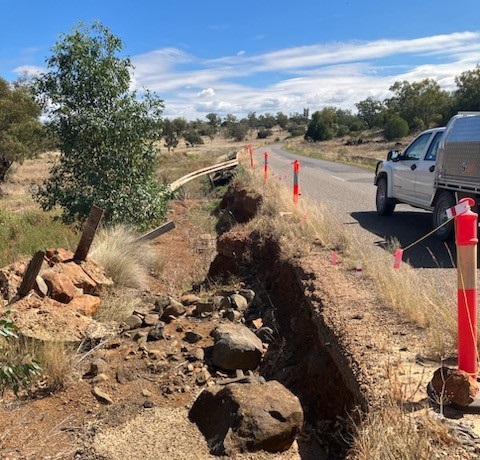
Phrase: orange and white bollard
(466, 241)
(296, 170)
(265, 166)
(397, 261)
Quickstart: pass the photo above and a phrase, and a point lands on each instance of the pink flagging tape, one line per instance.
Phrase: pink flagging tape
(457, 210)
(334, 258)
(397, 261)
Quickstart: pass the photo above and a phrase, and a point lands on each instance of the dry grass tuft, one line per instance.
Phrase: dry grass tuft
(391, 433)
(55, 358)
(126, 260)
(116, 307)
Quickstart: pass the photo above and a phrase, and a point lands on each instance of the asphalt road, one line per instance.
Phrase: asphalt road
(348, 193)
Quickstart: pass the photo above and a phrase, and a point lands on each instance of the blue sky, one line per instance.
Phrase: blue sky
(259, 56)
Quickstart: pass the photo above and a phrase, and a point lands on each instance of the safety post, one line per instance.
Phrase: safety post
(296, 169)
(265, 167)
(397, 260)
(466, 241)
(251, 156)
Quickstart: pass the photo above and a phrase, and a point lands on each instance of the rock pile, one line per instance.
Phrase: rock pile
(65, 295)
(237, 410)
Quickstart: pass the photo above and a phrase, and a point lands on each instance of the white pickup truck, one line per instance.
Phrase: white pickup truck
(439, 167)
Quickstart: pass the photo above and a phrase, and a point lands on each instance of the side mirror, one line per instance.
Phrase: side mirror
(393, 155)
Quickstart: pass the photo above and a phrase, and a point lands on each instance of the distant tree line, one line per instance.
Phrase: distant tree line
(109, 136)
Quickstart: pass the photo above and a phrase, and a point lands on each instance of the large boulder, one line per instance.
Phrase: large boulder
(236, 347)
(248, 417)
(453, 386)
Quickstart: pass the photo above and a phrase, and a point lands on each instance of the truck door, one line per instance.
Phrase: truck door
(424, 173)
(404, 170)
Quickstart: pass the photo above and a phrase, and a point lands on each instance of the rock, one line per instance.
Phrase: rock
(174, 308)
(202, 376)
(151, 319)
(265, 334)
(95, 271)
(226, 303)
(190, 299)
(217, 302)
(193, 337)
(102, 396)
(233, 315)
(97, 366)
(100, 378)
(40, 286)
(60, 287)
(161, 302)
(247, 416)
(236, 347)
(133, 322)
(196, 355)
(56, 255)
(10, 279)
(85, 304)
(157, 333)
(204, 307)
(453, 386)
(146, 393)
(238, 302)
(78, 277)
(249, 294)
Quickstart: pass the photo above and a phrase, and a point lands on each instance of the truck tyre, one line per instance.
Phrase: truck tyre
(385, 205)
(444, 201)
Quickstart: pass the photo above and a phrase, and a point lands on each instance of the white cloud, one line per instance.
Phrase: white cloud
(205, 93)
(29, 70)
(340, 74)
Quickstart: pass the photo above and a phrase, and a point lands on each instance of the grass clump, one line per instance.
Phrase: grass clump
(22, 234)
(391, 433)
(116, 307)
(125, 258)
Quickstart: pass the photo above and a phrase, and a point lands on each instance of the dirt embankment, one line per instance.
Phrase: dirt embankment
(335, 345)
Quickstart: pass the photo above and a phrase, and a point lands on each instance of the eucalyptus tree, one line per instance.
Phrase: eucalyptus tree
(108, 134)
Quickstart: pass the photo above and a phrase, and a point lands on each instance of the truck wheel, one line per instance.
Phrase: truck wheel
(385, 205)
(444, 201)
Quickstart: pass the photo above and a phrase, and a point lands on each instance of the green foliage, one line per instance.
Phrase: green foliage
(467, 96)
(421, 104)
(323, 125)
(22, 234)
(193, 138)
(396, 128)
(108, 134)
(14, 376)
(371, 112)
(21, 133)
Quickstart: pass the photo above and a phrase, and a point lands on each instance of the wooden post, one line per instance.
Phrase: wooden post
(158, 231)
(88, 234)
(31, 274)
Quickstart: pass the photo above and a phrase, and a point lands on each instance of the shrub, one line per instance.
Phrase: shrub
(396, 128)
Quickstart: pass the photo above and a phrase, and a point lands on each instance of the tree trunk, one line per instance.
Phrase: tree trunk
(4, 167)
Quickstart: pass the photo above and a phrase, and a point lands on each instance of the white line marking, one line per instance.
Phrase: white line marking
(339, 178)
